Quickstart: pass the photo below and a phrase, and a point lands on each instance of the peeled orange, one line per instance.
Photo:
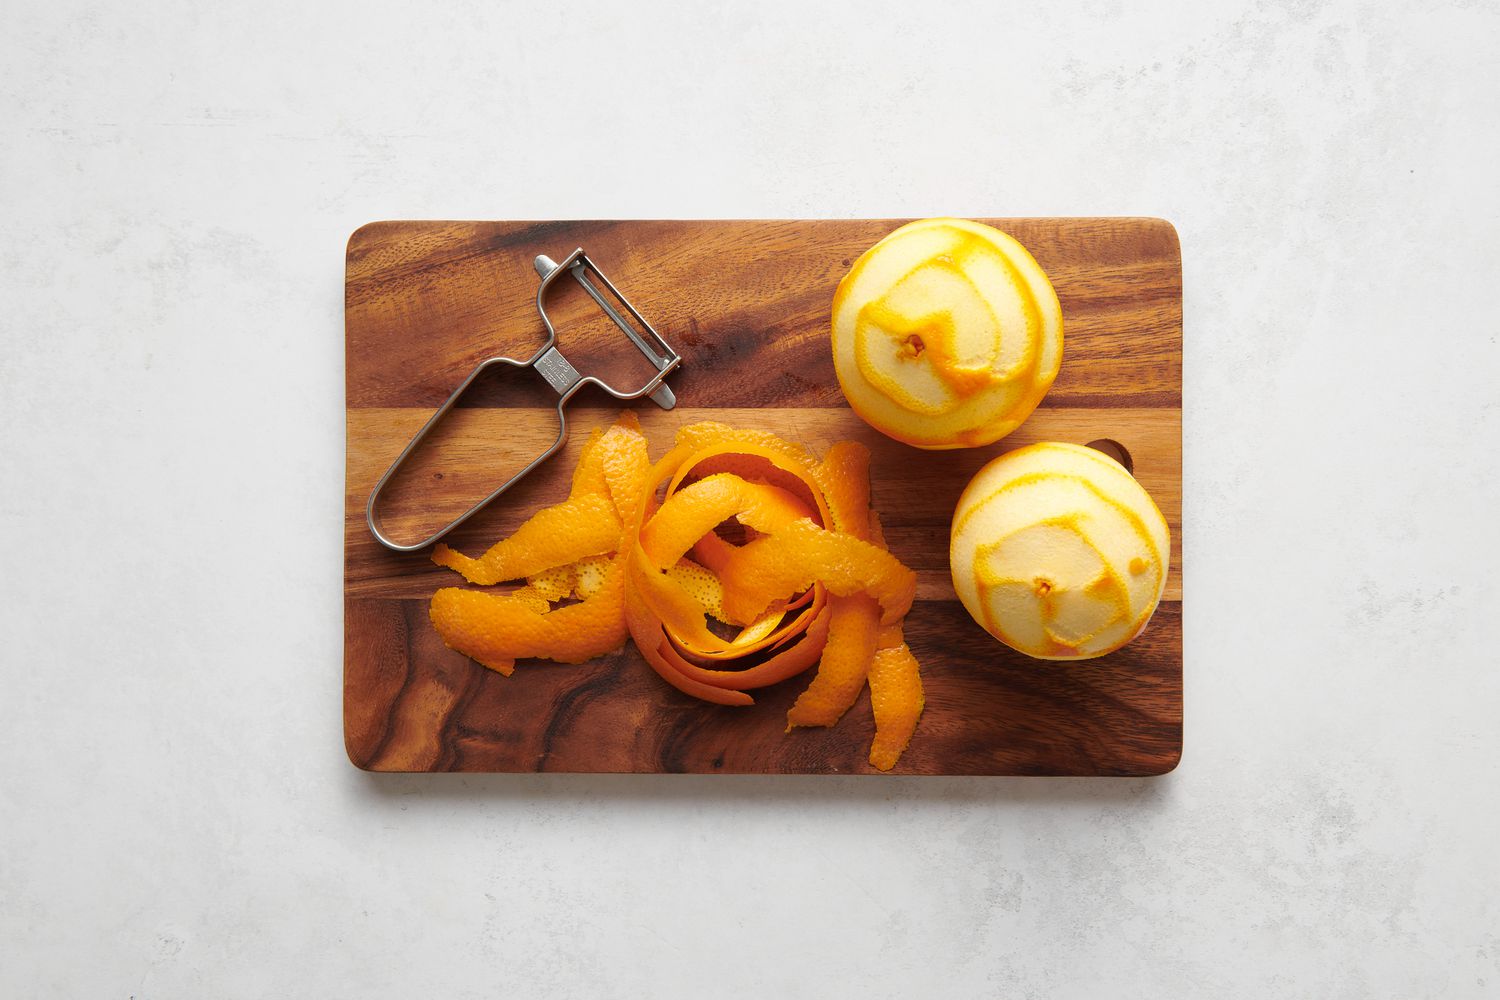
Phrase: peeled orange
(946, 334)
(1058, 552)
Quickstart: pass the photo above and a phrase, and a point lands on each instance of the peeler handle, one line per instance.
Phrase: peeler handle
(562, 436)
(557, 371)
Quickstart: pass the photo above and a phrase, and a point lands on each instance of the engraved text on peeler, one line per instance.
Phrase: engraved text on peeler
(555, 368)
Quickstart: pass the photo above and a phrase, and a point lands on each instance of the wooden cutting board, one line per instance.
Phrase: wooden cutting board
(746, 303)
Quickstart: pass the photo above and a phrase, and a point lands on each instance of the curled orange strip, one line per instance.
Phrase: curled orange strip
(686, 520)
(555, 536)
(777, 566)
(750, 530)
(693, 511)
(897, 701)
(844, 477)
(498, 629)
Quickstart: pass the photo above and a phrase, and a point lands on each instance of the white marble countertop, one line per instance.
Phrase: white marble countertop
(177, 816)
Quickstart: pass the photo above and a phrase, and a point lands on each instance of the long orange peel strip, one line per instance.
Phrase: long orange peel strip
(498, 629)
(844, 478)
(777, 566)
(686, 520)
(812, 584)
(895, 697)
(895, 679)
(555, 536)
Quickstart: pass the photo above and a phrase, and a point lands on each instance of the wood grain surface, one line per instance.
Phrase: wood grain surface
(747, 305)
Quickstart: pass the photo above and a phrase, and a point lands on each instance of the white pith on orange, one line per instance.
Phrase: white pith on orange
(946, 334)
(1058, 552)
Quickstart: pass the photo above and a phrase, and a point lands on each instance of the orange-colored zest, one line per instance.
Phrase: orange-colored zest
(712, 552)
(852, 628)
(645, 629)
(588, 477)
(895, 685)
(721, 686)
(554, 536)
(497, 629)
(777, 566)
(696, 510)
(710, 434)
(686, 520)
(670, 604)
(859, 649)
(896, 699)
(786, 467)
(534, 598)
(811, 583)
(844, 477)
(626, 466)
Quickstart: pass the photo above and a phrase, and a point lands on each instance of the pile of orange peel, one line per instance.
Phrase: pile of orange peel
(751, 531)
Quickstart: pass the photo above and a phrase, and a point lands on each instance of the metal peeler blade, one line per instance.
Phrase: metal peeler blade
(663, 395)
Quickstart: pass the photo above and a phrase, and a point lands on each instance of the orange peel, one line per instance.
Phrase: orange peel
(810, 582)
(844, 478)
(853, 628)
(896, 699)
(555, 536)
(695, 510)
(496, 630)
(686, 517)
(782, 564)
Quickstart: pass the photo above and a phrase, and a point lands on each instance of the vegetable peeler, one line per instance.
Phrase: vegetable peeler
(558, 372)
